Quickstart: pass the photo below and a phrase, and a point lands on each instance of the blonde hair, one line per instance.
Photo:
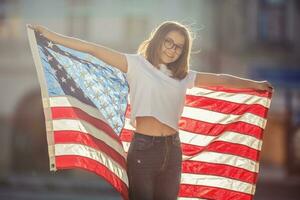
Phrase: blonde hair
(151, 46)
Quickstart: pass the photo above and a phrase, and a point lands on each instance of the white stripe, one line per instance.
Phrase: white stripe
(215, 117)
(220, 118)
(220, 158)
(128, 125)
(44, 91)
(242, 139)
(231, 97)
(209, 116)
(203, 140)
(189, 198)
(126, 146)
(85, 127)
(69, 101)
(195, 139)
(88, 152)
(228, 136)
(218, 181)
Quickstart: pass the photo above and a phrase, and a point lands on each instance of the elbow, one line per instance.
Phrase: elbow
(224, 80)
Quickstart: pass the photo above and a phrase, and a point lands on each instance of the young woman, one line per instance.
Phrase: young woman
(158, 76)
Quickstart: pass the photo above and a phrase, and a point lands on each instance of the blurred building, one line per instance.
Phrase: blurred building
(234, 36)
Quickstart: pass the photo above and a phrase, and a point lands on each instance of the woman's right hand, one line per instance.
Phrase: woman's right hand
(38, 28)
(109, 56)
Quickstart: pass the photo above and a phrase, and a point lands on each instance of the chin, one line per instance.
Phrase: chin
(168, 60)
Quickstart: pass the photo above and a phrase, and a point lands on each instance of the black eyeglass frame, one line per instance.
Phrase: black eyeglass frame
(178, 49)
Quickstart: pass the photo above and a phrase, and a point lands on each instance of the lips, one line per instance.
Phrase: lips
(169, 56)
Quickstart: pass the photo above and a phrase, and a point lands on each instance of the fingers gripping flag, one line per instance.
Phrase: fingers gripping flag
(86, 107)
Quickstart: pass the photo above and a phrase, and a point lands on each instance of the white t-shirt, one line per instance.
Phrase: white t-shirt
(153, 93)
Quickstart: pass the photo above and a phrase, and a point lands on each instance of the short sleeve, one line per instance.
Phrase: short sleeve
(191, 79)
(133, 60)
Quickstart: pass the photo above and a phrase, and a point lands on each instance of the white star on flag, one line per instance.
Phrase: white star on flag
(50, 44)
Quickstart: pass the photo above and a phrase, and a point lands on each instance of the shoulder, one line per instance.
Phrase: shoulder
(133, 59)
(191, 78)
(134, 63)
(191, 74)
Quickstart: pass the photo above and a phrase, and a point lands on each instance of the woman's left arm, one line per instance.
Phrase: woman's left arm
(226, 80)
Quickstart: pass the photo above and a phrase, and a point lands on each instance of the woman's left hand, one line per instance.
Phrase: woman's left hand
(265, 85)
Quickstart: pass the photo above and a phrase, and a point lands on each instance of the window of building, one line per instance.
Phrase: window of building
(272, 17)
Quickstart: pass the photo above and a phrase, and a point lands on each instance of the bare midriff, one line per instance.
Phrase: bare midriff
(148, 125)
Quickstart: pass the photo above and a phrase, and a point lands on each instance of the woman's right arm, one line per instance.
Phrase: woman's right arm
(110, 56)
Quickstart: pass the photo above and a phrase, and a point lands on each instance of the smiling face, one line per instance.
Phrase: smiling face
(171, 47)
(170, 44)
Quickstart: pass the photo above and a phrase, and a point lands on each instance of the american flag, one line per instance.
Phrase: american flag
(87, 107)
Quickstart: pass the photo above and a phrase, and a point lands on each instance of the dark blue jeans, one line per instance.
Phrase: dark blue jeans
(154, 167)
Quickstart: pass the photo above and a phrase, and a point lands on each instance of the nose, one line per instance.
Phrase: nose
(172, 50)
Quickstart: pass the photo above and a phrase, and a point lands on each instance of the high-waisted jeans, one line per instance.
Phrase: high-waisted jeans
(154, 167)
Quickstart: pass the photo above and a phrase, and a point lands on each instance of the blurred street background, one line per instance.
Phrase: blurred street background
(256, 39)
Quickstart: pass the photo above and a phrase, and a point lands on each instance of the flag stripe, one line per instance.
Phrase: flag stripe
(212, 192)
(65, 137)
(71, 161)
(222, 182)
(84, 127)
(199, 114)
(198, 167)
(69, 107)
(221, 147)
(190, 198)
(194, 143)
(126, 135)
(44, 92)
(206, 128)
(204, 140)
(227, 136)
(220, 158)
(223, 106)
(240, 94)
(210, 129)
(88, 152)
(189, 152)
(220, 118)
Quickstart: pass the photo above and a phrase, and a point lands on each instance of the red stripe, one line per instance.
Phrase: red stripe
(65, 137)
(210, 129)
(251, 91)
(190, 150)
(216, 146)
(128, 111)
(223, 106)
(211, 193)
(126, 135)
(206, 128)
(233, 149)
(69, 162)
(198, 167)
(222, 147)
(76, 113)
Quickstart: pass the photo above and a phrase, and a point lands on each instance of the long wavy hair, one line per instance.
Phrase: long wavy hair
(150, 48)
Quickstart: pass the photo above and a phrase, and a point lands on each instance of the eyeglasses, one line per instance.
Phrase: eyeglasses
(169, 44)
